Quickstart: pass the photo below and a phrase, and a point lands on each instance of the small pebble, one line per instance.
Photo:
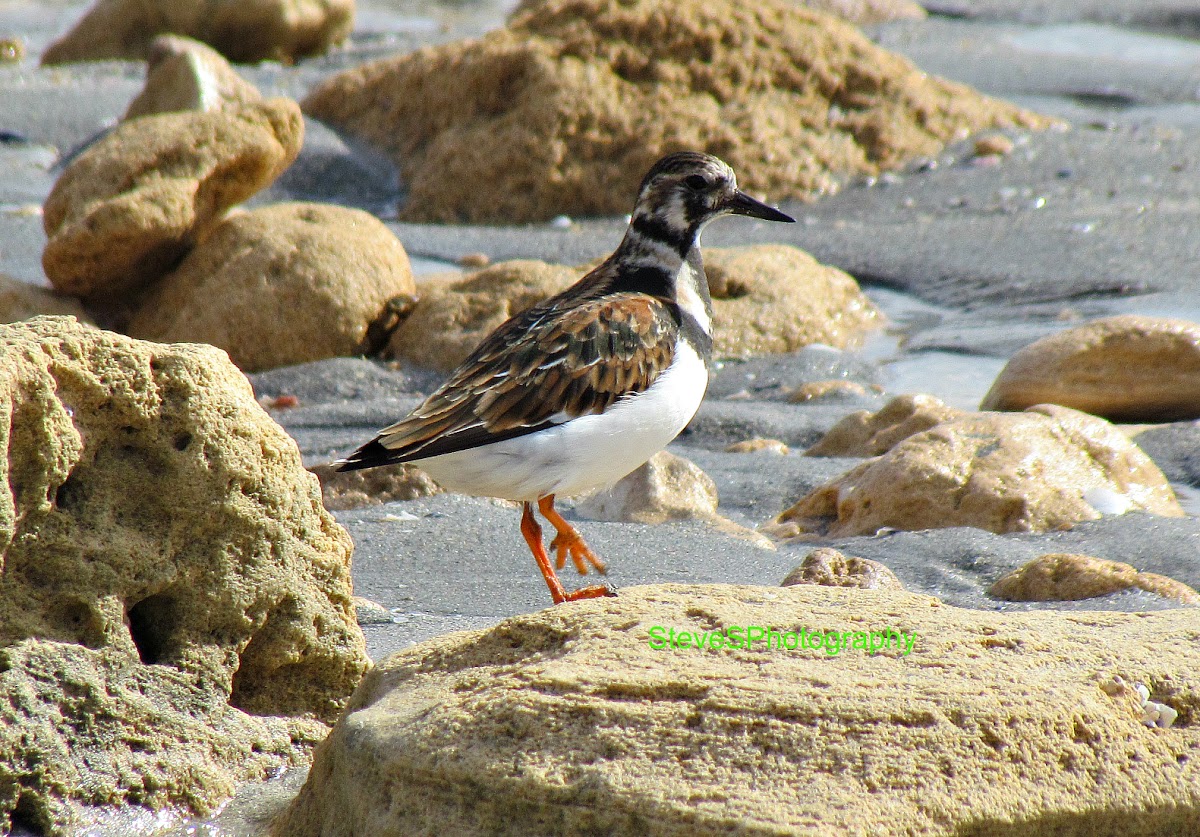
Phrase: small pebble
(993, 145)
(755, 445)
(561, 222)
(12, 50)
(279, 402)
(474, 260)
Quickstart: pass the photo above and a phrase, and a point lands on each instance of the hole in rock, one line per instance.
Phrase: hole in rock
(151, 625)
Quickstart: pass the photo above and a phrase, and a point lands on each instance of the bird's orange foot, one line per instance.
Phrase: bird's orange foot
(571, 543)
(568, 542)
(598, 591)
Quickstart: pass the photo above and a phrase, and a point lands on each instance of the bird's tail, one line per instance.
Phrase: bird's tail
(371, 455)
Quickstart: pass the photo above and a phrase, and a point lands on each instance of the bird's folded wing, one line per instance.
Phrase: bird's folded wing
(541, 368)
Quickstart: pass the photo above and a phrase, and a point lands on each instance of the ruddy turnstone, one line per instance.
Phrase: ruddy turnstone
(578, 391)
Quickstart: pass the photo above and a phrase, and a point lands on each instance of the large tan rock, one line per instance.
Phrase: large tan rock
(184, 74)
(280, 285)
(772, 298)
(1058, 577)
(863, 433)
(21, 300)
(451, 318)
(668, 487)
(568, 721)
(565, 109)
(864, 12)
(127, 209)
(1043, 469)
(175, 604)
(278, 30)
(1126, 368)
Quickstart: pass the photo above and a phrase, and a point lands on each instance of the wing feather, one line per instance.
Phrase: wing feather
(538, 366)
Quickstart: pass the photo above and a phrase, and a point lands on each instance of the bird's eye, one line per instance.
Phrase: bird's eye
(696, 181)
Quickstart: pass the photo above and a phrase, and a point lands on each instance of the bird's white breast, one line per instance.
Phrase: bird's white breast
(583, 453)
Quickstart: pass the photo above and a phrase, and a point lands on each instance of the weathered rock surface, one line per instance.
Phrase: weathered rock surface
(668, 487)
(21, 300)
(776, 298)
(127, 209)
(565, 109)
(169, 583)
(1125, 368)
(342, 490)
(278, 30)
(451, 318)
(1027, 472)
(1067, 577)
(567, 721)
(185, 74)
(830, 568)
(281, 285)
(757, 445)
(862, 12)
(863, 433)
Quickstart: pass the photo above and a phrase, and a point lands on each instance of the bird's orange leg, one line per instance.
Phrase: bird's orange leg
(533, 536)
(569, 542)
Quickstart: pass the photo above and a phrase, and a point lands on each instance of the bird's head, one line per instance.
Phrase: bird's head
(684, 191)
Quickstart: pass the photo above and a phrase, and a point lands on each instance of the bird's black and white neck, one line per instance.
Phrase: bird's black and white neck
(578, 391)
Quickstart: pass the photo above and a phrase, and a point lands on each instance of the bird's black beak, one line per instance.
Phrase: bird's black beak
(743, 204)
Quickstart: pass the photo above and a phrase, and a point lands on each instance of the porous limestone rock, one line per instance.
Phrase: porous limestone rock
(758, 444)
(184, 74)
(568, 721)
(175, 604)
(451, 318)
(865, 12)
(21, 300)
(668, 487)
(342, 490)
(1127, 368)
(567, 107)
(129, 207)
(1064, 577)
(776, 298)
(277, 30)
(1003, 472)
(280, 285)
(830, 568)
(863, 433)
(836, 388)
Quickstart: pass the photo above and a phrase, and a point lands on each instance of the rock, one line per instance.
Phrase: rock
(758, 444)
(21, 300)
(776, 298)
(1059, 577)
(342, 490)
(451, 318)
(830, 568)
(12, 50)
(1125, 368)
(568, 721)
(129, 207)
(993, 145)
(367, 612)
(183, 74)
(813, 390)
(865, 12)
(863, 433)
(565, 109)
(275, 30)
(1025, 472)
(281, 285)
(668, 487)
(175, 604)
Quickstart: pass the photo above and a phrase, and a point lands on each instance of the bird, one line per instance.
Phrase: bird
(579, 390)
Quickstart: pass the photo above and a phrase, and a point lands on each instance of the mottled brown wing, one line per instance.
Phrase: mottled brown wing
(540, 368)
